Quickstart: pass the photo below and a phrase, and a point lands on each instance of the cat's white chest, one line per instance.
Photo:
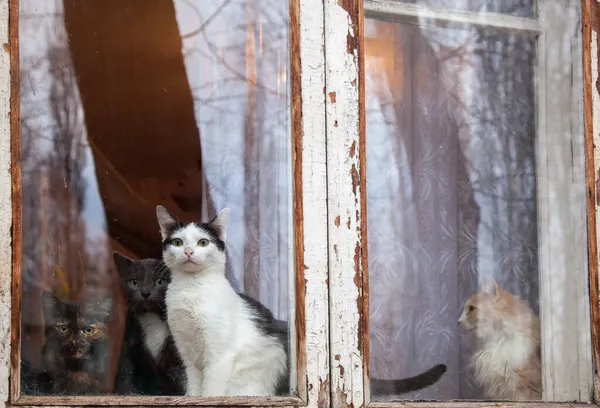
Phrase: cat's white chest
(496, 363)
(197, 310)
(155, 332)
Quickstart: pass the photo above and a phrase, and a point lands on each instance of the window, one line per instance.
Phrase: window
(410, 184)
(475, 170)
(127, 106)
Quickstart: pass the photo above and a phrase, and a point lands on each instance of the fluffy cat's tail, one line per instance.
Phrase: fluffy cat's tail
(393, 387)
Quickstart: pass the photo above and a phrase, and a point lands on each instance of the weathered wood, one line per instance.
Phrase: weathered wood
(114, 400)
(343, 36)
(426, 15)
(560, 162)
(10, 167)
(591, 193)
(308, 86)
(474, 404)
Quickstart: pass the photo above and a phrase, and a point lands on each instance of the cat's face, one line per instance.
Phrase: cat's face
(76, 333)
(144, 283)
(492, 310)
(193, 247)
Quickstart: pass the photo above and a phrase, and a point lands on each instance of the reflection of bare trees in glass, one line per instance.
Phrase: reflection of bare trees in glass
(58, 254)
(242, 109)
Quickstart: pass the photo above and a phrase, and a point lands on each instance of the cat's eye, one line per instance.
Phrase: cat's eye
(132, 283)
(471, 308)
(176, 242)
(62, 329)
(203, 242)
(159, 282)
(88, 330)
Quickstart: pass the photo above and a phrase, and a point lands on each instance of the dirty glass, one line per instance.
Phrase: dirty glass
(476, 206)
(126, 105)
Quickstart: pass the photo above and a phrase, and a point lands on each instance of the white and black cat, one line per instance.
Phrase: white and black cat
(230, 344)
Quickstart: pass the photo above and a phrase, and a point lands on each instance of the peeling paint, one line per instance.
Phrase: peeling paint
(314, 198)
(337, 221)
(323, 401)
(355, 179)
(5, 206)
(344, 198)
(332, 97)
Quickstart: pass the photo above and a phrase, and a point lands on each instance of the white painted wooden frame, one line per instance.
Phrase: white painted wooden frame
(564, 291)
(5, 206)
(345, 199)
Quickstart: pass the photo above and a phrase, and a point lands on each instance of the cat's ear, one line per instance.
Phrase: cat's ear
(491, 287)
(122, 262)
(49, 303)
(219, 223)
(166, 221)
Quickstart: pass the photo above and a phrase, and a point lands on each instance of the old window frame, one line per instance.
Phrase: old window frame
(310, 234)
(562, 380)
(345, 90)
(328, 125)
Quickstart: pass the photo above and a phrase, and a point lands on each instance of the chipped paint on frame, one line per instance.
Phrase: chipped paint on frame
(344, 201)
(5, 199)
(314, 192)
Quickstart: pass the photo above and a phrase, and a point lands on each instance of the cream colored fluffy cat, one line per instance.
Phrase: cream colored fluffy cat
(507, 359)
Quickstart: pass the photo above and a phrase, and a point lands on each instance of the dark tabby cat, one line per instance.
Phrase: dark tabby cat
(150, 364)
(75, 353)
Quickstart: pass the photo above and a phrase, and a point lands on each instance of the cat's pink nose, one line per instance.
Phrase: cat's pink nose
(188, 252)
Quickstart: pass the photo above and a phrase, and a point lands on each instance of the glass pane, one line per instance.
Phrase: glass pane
(127, 105)
(474, 202)
(521, 8)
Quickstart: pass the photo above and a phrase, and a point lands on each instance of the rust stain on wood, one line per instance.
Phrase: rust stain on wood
(335, 123)
(332, 97)
(350, 43)
(355, 178)
(594, 17)
(15, 103)
(337, 221)
(359, 299)
(353, 150)
(348, 223)
(590, 11)
(323, 400)
(364, 334)
(597, 188)
(6, 47)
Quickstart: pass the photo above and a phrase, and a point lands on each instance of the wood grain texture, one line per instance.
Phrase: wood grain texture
(115, 400)
(298, 331)
(362, 152)
(13, 328)
(591, 193)
(474, 404)
(308, 118)
(560, 169)
(345, 200)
